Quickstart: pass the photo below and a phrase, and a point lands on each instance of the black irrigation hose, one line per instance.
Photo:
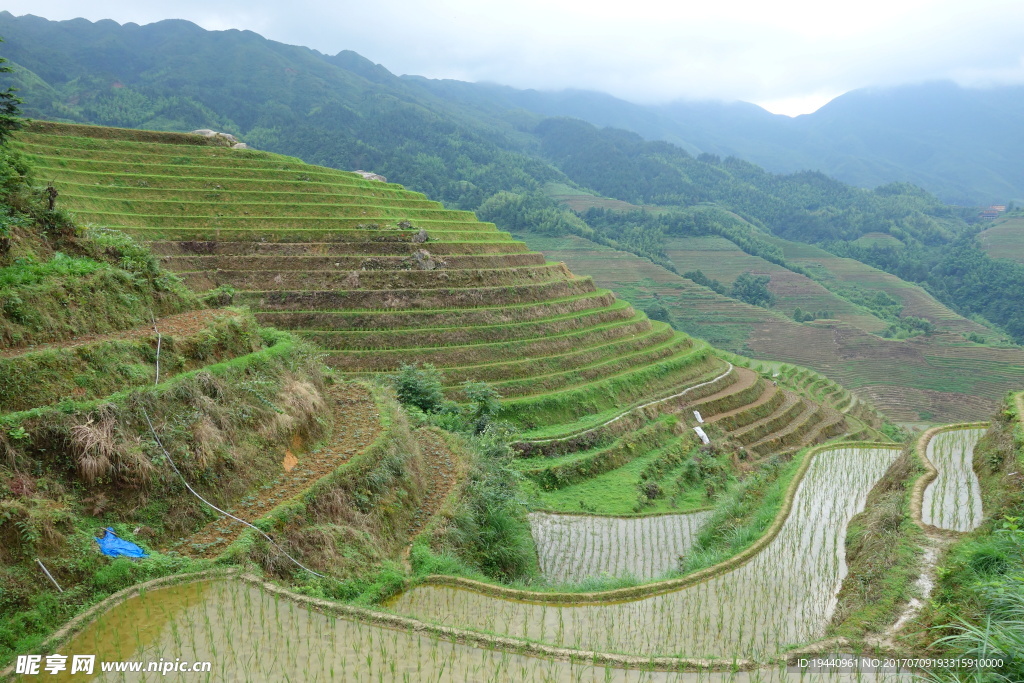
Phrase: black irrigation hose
(228, 514)
(192, 490)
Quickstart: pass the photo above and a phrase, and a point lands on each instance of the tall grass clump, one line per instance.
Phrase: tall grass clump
(742, 514)
(486, 533)
(997, 634)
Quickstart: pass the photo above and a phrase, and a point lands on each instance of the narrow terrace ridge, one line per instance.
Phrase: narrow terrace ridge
(178, 324)
(356, 425)
(378, 275)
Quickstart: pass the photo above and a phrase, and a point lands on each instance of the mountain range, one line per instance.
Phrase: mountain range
(963, 145)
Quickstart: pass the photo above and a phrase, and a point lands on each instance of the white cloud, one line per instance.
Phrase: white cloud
(786, 54)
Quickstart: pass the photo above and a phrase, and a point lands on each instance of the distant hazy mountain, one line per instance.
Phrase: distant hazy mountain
(964, 145)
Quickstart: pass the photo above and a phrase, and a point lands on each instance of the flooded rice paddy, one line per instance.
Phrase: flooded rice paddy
(575, 547)
(784, 595)
(250, 635)
(953, 500)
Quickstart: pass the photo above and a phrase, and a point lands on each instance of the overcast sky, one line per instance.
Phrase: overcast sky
(789, 56)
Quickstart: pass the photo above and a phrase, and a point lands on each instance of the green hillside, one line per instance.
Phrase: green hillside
(957, 142)
(385, 293)
(347, 113)
(380, 279)
(518, 425)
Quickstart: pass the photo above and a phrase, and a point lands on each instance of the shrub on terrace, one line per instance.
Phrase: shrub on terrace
(419, 386)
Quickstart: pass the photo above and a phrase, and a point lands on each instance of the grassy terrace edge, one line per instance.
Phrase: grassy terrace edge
(283, 343)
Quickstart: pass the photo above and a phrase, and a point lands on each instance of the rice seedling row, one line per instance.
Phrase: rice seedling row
(793, 581)
(416, 299)
(953, 500)
(411, 259)
(249, 633)
(483, 316)
(356, 280)
(636, 332)
(576, 547)
(337, 248)
(337, 337)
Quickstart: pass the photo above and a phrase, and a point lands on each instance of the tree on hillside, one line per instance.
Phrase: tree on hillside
(752, 289)
(9, 119)
(657, 311)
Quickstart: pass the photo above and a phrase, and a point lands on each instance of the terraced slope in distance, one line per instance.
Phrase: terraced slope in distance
(721, 260)
(1005, 239)
(917, 380)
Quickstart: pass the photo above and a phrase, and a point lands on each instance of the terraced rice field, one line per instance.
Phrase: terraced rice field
(793, 581)
(576, 547)
(248, 633)
(916, 301)
(607, 469)
(720, 259)
(376, 275)
(953, 500)
(380, 277)
(1005, 239)
(725, 323)
(917, 380)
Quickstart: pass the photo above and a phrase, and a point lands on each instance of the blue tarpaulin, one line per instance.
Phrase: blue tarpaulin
(111, 545)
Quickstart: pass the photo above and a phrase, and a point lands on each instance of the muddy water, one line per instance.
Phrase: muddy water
(953, 500)
(249, 635)
(135, 626)
(575, 547)
(785, 595)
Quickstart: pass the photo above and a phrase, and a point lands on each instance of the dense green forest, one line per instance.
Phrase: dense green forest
(343, 111)
(958, 272)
